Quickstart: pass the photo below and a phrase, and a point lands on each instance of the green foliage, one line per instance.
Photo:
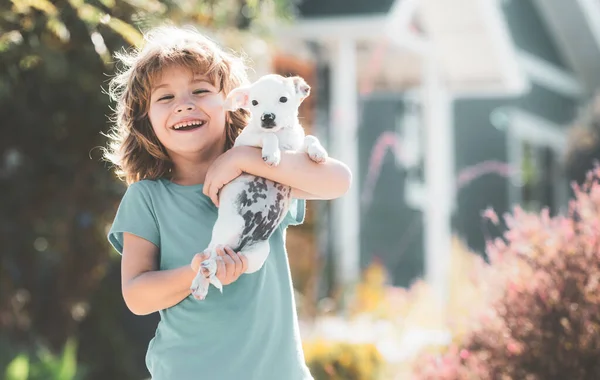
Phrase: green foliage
(45, 365)
(343, 361)
(18, 369)
(58, 196)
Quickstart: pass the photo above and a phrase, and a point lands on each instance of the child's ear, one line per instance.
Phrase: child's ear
(302, 88)
(238, 98)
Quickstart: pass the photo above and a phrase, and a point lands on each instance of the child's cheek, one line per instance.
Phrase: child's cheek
(214, 106)
(214, 102)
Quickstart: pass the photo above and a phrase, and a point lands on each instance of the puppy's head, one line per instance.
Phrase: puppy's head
(272, 100)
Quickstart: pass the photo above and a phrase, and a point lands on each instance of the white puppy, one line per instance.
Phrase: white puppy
(251, 208)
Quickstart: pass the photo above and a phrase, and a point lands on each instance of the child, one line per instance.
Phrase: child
(172, 143)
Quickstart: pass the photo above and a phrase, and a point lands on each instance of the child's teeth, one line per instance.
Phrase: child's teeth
(189, 124)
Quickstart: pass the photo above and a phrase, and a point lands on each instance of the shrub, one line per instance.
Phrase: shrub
(343, 360)
(543, 321)
(44, 365)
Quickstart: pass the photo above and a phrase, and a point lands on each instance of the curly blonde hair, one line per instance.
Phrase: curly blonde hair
(133, 146)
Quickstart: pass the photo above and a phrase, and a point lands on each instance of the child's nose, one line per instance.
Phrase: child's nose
(185, 107)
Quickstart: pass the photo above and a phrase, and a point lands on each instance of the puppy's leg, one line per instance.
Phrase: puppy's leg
(256, 256)
(314, 149)
(226, 232)
(271, 153)
(206, 275)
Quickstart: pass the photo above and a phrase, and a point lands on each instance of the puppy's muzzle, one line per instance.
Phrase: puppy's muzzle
(267, 120)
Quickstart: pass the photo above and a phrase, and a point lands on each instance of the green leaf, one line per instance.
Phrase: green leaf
(7, 39)
(24, 6)
(151, 6)
(45, 6)
(108, 3)
(89, 14)
(68, 364)
(252, 3)
(76, 3)
(18, 369)
(128, 32)
(58, 29)
(29, 62)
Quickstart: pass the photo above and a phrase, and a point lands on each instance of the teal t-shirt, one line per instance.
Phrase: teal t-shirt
(248, 332)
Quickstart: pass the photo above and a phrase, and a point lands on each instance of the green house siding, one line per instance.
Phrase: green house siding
(391, 231)
(557, 108)
(530, 32)
(478, 140)
(337, 8)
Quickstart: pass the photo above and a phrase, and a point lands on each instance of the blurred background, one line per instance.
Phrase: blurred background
(444, 109)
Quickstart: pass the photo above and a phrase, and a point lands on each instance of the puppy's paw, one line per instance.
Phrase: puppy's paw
(216, 283)
(209, 267)
(272, 159)
(199, 286)
(317, 153)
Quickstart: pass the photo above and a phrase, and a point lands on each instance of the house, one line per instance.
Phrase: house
(442, 109)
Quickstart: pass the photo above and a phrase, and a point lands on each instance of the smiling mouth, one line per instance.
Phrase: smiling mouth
(189, 125)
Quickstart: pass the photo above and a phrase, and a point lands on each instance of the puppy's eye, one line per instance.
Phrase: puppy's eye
(254, 103)
(283, 99)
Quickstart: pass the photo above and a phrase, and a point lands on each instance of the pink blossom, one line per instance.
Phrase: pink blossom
(546, 269)
(491, 215)
(514, 348)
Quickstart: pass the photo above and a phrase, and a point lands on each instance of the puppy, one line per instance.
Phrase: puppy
(251, 208)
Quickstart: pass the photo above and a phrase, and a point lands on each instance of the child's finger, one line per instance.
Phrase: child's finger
(206, 186)
(216, 200)
(212, 193)
(198, 259)
(244, 261)
(207, 183)
(221, 270)
(229, 267)
(228, 250)
(238, 269)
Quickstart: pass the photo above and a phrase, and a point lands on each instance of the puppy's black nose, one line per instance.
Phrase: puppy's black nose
(267, 117)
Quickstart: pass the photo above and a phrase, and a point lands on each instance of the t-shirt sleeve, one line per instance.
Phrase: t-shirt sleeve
(136, 216)
(295, 214)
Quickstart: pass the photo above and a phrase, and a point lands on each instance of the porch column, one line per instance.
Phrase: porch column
(344, 146)
(439, 178)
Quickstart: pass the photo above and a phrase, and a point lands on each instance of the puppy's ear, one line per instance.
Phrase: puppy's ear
(238, 98)
(302, 88)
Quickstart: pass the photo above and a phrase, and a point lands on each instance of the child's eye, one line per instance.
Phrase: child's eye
(254, 103)
(201, 91)
(165, 97)
(283, 99)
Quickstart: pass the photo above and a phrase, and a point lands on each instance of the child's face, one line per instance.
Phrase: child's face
(186, 113)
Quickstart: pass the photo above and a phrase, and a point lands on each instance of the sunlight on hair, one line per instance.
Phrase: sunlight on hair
(134, 149)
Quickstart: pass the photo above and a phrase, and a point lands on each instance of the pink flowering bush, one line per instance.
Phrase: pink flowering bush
(543, 317)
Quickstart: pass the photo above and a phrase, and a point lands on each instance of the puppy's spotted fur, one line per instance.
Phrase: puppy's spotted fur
(251, 208)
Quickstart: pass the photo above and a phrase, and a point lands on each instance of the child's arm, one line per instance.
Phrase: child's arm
(146, 289)
(309, 180)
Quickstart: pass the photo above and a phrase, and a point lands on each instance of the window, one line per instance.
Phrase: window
(536, 149)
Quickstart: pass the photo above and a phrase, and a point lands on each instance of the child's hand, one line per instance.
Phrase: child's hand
(230, 265)
(223, 170)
